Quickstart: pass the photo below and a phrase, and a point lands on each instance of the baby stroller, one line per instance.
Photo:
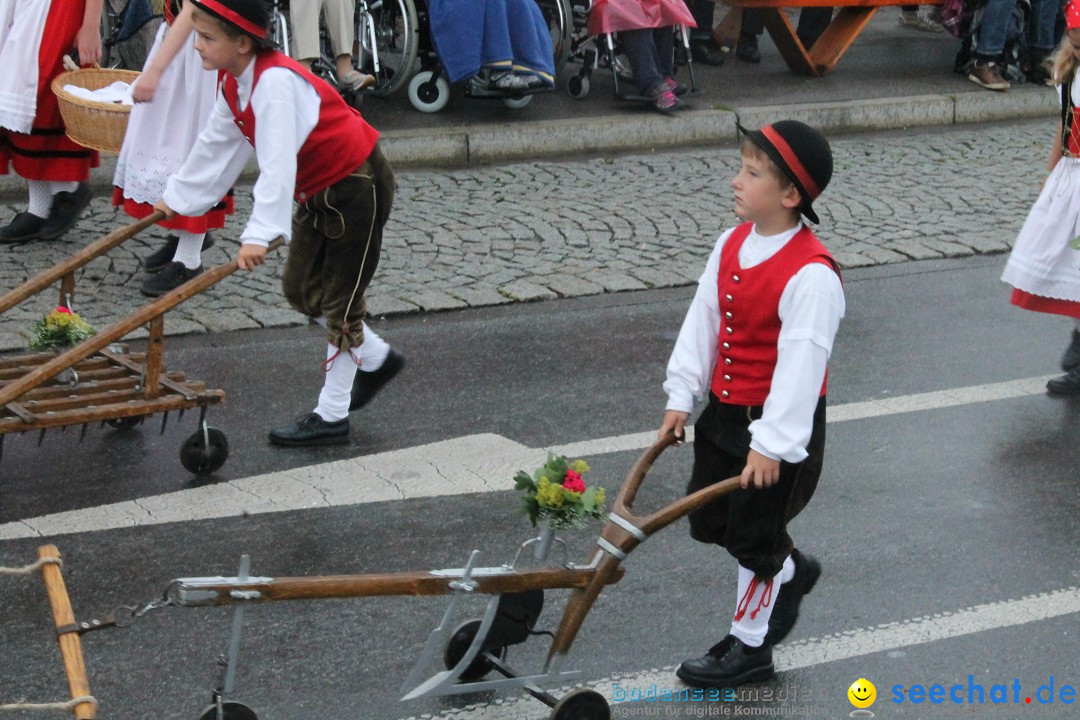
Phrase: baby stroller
(429, 88)
(602, 51)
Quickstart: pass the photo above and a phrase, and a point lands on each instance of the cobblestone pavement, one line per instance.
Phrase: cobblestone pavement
(535, 231)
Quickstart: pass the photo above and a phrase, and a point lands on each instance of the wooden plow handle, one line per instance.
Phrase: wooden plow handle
(623, 532)
(66, 633)
(120, 328)
(46, 278)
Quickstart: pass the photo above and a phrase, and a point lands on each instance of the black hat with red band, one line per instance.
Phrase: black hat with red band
(802, 153)
(248, 16)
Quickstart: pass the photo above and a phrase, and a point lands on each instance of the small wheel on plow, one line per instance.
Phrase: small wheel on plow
(125, 423)
(458, 645)
(582, 705)
(229, 711)
(204, 451)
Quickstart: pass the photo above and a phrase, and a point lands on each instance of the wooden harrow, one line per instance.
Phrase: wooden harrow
(98, 380)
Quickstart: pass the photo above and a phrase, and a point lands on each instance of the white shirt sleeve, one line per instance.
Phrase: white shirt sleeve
(690, 368)
(811, 307)
(212, 166)
(286, 110)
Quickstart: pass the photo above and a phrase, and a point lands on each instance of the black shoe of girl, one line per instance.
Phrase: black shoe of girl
(1071, 359)
(312, 430)
(65, 211)
(24, 227)
(169, 278)
(161, 257)
(1068, 384)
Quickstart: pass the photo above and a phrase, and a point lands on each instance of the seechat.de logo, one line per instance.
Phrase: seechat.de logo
(862, 695)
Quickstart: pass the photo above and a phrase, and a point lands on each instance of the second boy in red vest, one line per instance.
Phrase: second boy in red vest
(756, 339)
(310, 146)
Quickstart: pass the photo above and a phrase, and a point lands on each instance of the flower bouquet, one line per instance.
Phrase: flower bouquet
(556, 494)
(61, 328)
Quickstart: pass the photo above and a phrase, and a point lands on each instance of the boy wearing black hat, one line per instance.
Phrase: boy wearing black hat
(756, 339)
(311, 146)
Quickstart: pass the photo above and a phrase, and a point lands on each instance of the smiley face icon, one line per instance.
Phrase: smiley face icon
(862, 693)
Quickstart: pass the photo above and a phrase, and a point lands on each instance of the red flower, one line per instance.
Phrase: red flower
(62, 309)
(573, 482)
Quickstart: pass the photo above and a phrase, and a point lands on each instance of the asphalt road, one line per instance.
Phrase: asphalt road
(933, 525)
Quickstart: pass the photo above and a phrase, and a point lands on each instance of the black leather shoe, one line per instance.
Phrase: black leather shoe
(728, 664)
(65, 211)
(706, 52)
(786, 608)
(171, 277)
(1071, 359)
(161, 257)
(22, 228)
(312, 430)
(1068, 384)
(747, 50)
(367, 384)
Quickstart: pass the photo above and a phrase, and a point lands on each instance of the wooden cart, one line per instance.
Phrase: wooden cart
(97, 380)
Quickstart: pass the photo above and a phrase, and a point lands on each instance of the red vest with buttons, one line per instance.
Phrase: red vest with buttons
(339, 143)
(749, 314)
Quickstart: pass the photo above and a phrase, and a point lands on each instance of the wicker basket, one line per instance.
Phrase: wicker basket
(96, 125)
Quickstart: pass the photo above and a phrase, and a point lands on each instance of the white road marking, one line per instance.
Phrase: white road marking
(807, 653)
(470, 464)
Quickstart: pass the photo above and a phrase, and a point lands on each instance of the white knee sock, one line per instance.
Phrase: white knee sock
(788, 571)
(189, 249)
(751, 621)
(56, 186)
(337, 385)
(372, 352)
(40, 198)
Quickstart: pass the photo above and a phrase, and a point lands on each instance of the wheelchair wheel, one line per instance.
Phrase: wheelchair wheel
(388, 36)
(560, 22)
(427, 96)
(516, 103)
(578, 86)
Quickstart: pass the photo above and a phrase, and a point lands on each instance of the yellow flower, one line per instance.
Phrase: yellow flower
(580, 466)
(599, 497)
(548, 494)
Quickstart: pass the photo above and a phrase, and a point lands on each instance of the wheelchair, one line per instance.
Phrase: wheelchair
(602, 51)
(387, 38)
(429, 88)
(119, 26)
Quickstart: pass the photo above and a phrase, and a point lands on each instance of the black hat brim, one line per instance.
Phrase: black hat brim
(758, 138)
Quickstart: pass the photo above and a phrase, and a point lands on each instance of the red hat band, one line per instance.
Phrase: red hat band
(235, 18)
(792, 161)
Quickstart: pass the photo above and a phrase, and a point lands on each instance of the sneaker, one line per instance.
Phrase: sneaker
(65, 211)
(786, 608)
(169, 278)
(310, 430)
(24, 227)
(161, 257)
(664, 100)
(367, 384)
(747, 50)
(728, 664)
(356, 80)
(675, 86)
(509, 81)
(1071, 359)
(918, 21)
(988, 76)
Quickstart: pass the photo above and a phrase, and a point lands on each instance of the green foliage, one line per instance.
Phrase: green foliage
(556, 493)
(60, 328)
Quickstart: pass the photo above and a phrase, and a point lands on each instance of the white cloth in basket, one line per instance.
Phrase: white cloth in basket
(22, 23)
(119, 92)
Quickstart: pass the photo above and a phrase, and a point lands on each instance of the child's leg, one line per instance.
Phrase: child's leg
(186, 263)
(337, 385)
(40, 198)
(750, 622)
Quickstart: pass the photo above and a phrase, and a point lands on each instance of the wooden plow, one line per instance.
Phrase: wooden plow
(98, 380)
(471, 650)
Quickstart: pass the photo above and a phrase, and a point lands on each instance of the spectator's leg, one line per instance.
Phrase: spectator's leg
(304, 15)
(812, 22)
(702, 47)
(664, 41)
(990, 43)
(753, 24)
(1041, 39)
(640, 50)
